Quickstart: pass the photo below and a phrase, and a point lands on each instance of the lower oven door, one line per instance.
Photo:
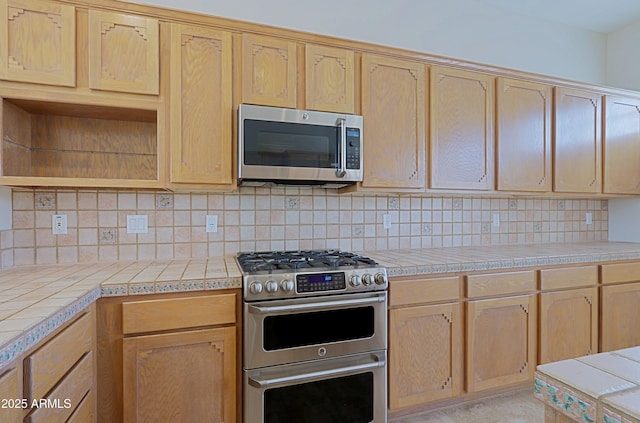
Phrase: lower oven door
(287, 331)
(350, 389)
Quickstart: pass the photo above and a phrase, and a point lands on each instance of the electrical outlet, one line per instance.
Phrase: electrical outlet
(211, 224)
(589, 219)
(137, 224)
(496, 220)
(59, 224)
(386, 221)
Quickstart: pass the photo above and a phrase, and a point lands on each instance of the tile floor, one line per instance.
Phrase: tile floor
(520, 407)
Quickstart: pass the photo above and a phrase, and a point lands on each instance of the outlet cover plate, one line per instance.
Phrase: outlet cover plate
(137, 223)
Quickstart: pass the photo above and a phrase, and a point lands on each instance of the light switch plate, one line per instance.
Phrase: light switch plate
(386, 221)
(211, 223)
(589, 219)
(496, 220)
(137, 223)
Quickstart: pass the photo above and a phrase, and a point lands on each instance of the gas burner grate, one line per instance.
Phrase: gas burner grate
(270, 261)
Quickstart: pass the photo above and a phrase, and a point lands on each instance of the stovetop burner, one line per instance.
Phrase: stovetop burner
(274, 261)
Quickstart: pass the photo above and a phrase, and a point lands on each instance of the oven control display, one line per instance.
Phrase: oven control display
(321, 282)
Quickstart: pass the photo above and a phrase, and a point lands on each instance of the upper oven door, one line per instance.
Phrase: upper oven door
(302, 145)
(288, 331)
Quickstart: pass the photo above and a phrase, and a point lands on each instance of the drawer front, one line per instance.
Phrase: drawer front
(86, 411)
(573, 277)
(621, 272)
(45, 367)
(420, 291)
(71, 390)
(178, 313)
(501, 284)
(10, 390)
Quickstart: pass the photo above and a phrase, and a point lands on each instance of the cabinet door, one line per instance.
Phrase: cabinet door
(577, 141)
(425, 354)
(330, 79)
(568, 324)
(201, 106)
(501, 342)
(180, 377)
(461, 129)
(393, 109)
(10, 389)
(620, 317)
(621, 145)
(123, 53)
(269, 69)
(38, 42)
(523, 136)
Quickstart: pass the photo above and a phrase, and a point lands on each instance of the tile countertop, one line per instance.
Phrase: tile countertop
(35, 300)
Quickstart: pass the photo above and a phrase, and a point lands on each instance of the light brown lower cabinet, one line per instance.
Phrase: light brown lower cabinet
(568, 313)
(425, 341)
(169, 358)
(620, 306)
(10, 390)
(180, 377)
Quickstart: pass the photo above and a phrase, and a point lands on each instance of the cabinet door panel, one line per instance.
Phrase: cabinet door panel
(38, 42)
(577, 146)
(501, 342)
(568, 324)
(523, 136)
(425, 354)
(620, 317)
(461, 129)
(621, 146)
(393, 109)
(185, 376)
(201, 106)
(330, 79)
(269, 69)
(10, 390)
(123, 53)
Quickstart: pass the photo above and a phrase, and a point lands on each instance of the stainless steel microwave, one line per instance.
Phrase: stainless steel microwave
(289, 146)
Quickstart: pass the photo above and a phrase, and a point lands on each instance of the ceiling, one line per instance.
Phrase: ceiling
(596, 15)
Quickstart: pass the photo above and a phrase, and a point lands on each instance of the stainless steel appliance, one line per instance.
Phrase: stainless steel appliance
(315, 337)
(291, 146)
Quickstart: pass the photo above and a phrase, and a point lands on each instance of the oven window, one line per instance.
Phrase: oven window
(320, 327)
(344, 399)
(288, 144)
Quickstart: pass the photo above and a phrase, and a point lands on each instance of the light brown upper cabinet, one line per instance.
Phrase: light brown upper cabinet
(123, 53)
(201, 106)
(523, 135)
(393, 109)
(577, 141)
(461, 110)
(38, 42)
(621, 145)
(269, 69)
(329, 79)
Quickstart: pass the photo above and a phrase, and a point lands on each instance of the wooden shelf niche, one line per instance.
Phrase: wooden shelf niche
(104, 146)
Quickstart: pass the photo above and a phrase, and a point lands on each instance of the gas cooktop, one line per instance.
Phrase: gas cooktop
(304, 260)
(289, 274)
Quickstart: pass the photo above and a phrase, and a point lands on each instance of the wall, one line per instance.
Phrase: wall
(473, 30)
(6, 235)
(279, 219)
(623, 61)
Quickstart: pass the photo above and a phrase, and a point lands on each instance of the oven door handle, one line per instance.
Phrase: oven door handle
(254, 309)
(306, 377)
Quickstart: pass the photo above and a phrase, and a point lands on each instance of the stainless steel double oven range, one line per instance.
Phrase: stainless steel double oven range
(315, 337)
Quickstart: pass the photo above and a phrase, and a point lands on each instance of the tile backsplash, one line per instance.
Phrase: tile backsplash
(279, 219)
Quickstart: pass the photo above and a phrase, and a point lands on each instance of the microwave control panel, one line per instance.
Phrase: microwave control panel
(353, 148)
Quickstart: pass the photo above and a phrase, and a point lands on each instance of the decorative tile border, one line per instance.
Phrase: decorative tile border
(142, 288)
(114, 290)
(610, 416)
(564, 400)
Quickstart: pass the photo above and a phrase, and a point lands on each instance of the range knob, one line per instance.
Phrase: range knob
(380, 279)
(255, 288)
(367, 279)
(271, 286)
(287, 285)
(354, 280)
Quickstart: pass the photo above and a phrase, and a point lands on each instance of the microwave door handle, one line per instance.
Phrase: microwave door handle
(342, 148)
